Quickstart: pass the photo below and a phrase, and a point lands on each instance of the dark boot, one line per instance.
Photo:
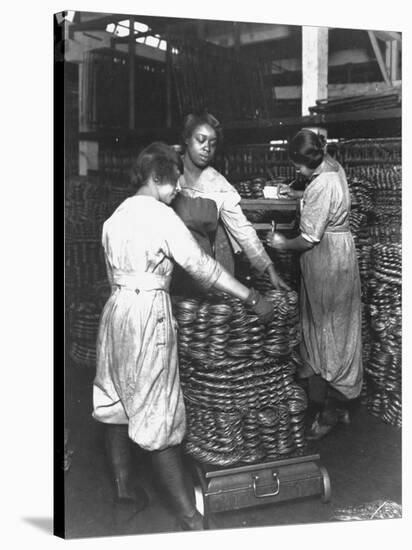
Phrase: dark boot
(341, 404)
(130, 498)
(316, 389)
(333, 412)
(168, 469)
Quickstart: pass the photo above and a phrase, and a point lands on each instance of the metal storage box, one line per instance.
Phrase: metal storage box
(226, 489)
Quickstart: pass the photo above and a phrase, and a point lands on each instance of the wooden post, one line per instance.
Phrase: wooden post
(132, 90)
(388, 55)
(236, 37)
(168, 82)
(314, 66)
(394, 61)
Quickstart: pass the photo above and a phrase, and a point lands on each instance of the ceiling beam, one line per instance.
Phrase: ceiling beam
(126, 39)
(388, 35)
(100, 23)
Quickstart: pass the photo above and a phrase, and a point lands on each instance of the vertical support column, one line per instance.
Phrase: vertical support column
(168, 82)
(88, 156)
(394, 74)
(236, 37)
(82, 99)
(132, 91)
(314, 66)
(388, 55)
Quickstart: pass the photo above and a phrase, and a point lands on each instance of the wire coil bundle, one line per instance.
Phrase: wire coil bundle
(369, 151)
(384, 305)
(85, 318)
(237, 377)
(251, 189)
(386, 226)
(287, 266)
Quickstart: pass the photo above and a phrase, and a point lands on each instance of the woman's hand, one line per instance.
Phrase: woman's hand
(263, 308)
(275, 240)
(277, 282)
(285, 191)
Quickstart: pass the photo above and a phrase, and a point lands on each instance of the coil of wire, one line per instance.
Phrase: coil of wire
(237, 379)
(384, 310)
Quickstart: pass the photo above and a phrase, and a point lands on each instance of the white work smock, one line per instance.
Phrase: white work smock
(137, 380)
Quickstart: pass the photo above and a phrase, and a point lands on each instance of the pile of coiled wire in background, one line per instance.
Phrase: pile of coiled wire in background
(83, 323)
(238, 379)
(383, 303)
(381, 188)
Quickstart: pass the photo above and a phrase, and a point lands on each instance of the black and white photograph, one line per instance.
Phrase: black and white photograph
(228, 277)
(232, 273)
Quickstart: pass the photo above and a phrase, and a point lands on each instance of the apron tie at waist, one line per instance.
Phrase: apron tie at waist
(141, 281)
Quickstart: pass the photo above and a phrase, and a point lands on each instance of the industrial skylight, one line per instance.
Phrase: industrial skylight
(122, 28)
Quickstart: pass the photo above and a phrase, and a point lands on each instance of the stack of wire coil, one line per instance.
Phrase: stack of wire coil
(362, 207)
(385, 187)
(237, 377)
(384, 309)
(386, 227)
(251, 188)
(84, 326)
(88, 203)
(287, 266)
(83, 323)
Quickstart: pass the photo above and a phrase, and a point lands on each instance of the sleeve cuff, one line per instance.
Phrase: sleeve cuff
(310, 238)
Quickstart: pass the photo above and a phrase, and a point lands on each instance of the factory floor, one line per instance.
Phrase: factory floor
(363, 461)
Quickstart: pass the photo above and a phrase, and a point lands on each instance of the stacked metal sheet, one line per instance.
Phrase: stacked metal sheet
(237, 377)
(384, 308)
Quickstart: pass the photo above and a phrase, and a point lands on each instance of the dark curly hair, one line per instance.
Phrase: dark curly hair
(307, 148)
(195, 119)
(158, 160)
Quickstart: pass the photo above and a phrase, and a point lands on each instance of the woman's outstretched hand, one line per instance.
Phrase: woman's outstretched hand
(275, 240)
(277, 282)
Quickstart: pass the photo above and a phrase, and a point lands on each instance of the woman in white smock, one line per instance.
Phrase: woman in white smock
(137, 392)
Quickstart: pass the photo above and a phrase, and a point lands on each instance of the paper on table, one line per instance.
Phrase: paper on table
(270, 192)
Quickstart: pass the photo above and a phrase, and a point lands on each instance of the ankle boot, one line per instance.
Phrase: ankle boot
(130, 498)
(168, 468)
(326, 420)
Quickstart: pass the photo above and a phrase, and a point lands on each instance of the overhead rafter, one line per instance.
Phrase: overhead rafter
(98, 24)
(137, 34)
(389, 35)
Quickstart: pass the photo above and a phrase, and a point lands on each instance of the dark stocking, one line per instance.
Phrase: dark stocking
(168, 469)
(119, 454)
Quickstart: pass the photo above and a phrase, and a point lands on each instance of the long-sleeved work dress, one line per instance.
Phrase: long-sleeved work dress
(330, 290)
(234, 232)
(137, 379)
